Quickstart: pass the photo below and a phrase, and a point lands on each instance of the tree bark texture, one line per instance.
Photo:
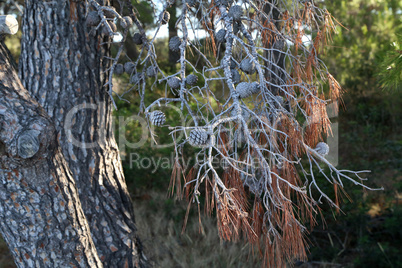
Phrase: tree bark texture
(41, 218)
(63, 65)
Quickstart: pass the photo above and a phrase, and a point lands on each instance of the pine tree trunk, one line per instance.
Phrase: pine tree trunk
(63, 65)
(41, 218)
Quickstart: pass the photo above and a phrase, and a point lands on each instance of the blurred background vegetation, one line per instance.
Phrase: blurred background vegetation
(365, 57)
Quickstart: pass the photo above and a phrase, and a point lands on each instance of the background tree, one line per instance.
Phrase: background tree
(288, 94)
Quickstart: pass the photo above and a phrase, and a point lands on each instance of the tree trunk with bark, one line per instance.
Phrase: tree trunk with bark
(41, 218)
(64, 68)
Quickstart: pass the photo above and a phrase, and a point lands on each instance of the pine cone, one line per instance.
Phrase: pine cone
(137, 39)
(126, 22)
(245, 89)
(129, 67)
(174, 44)
(246, 115)
(198, 137)
(235, 76)
(278, 99)
(322, 148)
(166, 17)
(118, 69)
(235, 12)
(225, 3)
(191, 3)
(93, 19)
(136, 78)
(255, 87)
(233, 64)
(109, 13)
(157, 118)
(191, 80)
(151, 71)
(247, 66)
(221, 36)
(174, 82)
(105, 29)
(236, 27)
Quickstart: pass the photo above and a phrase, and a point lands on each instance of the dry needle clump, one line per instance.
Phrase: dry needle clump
(157, 118)
(198, 137)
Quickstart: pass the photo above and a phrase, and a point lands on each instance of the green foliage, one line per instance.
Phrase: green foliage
(390, 69)
(370, 27)
(367, 231)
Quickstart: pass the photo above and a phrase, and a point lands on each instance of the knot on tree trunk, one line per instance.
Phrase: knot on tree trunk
(28, 144)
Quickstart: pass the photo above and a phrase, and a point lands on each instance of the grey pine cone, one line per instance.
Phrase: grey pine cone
(112, 26)
(127, 21)
(191, 3)
(236, 27)
(322, 148)
(191, 79)
(278, 99)
(235, 12)
(166, 17)
(129, 67)
(220, 36)
(157, 118)
(109, 13)
(93, 19)
(244, 89)
(247, 66)
(174, 44)
(137, 39)
(118, 69)
(151, 71)
(235, 76)
(174, 82)
(198, 137)
(255, 87)
(233, 64)
(225, 3)
(244, 113)
(136, 78)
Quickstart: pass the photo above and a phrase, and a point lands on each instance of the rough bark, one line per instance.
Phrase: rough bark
(40, 213)
(63, 65)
